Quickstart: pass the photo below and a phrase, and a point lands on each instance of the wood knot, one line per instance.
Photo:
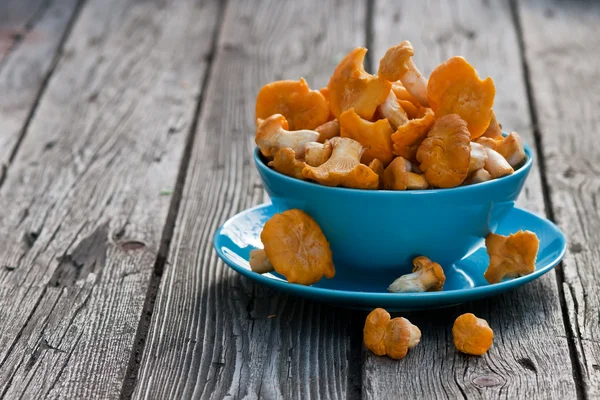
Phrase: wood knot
(488, 380)
(132, 245)
(576, 248)
(527, 364)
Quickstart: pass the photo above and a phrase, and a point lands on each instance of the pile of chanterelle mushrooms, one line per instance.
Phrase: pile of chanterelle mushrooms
(393, 131)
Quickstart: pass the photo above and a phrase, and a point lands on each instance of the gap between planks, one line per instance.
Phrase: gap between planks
(141, 335)
(559, 274)
(27, 28)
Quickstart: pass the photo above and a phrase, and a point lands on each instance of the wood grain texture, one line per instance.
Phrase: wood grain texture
(213, 333)
(530, 355)
(31, 33)
(81, 210)
(561, 40)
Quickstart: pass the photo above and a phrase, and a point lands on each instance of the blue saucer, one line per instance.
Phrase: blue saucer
(356, 289)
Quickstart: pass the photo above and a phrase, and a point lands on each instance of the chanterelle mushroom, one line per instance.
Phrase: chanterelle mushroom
(375, 137)
(472, 335)
(455, 88)
(328, 130)
(378, 168)
(494, 130)
(392, 110)
(343, 168)
(408, 137)
(272, 135)
(481, 175)
(445, 154)
(478, 157)
(303, 108)
(426, 276)
(351, 87)
(511, 256)
(397, 176)
(316, 153)
(259, 262)
(285, 162)
(497, 165)
(397, 64)
(512, 149)
(392, 337)
(297, 248)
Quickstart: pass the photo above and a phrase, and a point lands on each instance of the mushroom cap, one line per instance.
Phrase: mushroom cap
(297, 247)
(455, 88)
(413, 110)
(375, 137)
(446, 152)
(487, 142)
(303, 108)
(393, 64)
(316, 153)
(511, 256)
(433, 273)
(395, 176)
(408, 137)
(286, 163)
(343, 168)
(472, 335)
(494, 130)
(351, 87)
(374, 331)
(377, 166)
(400, 336)
(328, 130)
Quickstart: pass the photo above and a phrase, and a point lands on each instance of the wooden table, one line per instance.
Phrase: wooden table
(126, 135)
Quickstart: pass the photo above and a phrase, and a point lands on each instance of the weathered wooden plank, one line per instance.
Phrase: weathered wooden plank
(15, 17)
(561, 41)
(530, 355)
(31, 33)
(81, 209)
(214, 334)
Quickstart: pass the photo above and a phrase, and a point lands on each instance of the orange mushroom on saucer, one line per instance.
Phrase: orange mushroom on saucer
(259, 262)
(343, 168)
(397, 64)
(455, 88)
(351, 86)
(426, 276)
(375, 137)
(383, 335)
(511, 256)
(285, 162)
(272, 135)
(445, 154)
(297, 248)
(303, 108)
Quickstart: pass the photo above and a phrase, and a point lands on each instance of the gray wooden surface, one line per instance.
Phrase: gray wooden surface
(126, 131)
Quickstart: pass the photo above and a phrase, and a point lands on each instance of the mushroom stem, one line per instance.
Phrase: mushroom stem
(392, 110)
(481, 175)
(328, 130)
(415, 335)
(316, 153)
(271, 135)
(416, 181)
(497, 165)
(259, 262)
(478, 157)
(416, 84)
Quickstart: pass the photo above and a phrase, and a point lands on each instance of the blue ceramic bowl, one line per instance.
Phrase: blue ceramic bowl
(382, 229)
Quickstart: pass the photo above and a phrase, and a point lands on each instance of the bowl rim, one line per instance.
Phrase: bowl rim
(488, 185)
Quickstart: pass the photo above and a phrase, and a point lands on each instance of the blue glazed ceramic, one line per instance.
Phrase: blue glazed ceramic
(375, 230)
(367, 288)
